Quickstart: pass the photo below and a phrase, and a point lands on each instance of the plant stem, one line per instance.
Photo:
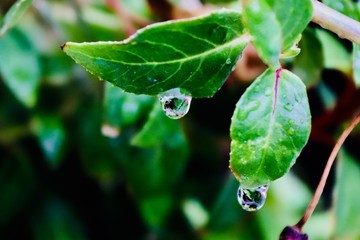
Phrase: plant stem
(314, 201)
(336, 22)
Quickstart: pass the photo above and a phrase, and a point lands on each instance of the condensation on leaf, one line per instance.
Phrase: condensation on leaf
(270, 126)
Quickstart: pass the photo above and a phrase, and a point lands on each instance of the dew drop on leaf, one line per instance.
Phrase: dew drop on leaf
(289, 107)
(252, 199)
(268, 92)
(175, 102)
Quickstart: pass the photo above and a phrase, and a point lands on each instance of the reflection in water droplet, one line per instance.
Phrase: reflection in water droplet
(175, 102)
(289, 107)
(228, 61)
(252, 199)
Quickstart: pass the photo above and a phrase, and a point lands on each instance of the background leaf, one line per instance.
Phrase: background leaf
(335, 54)
(347, 208)
(13, 15)
(196, 54)
(269, 128)
(51, 135)
(310, 62)
(56, 221)
(346, 7)
(356, 64)
(122, 109)
(20, 67)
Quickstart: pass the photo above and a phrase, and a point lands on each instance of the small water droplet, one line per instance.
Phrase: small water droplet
(289, 107)
(291, 131)
(228, 61)
(175, 102)
(153, 80)
(268, 92)
(252, 199)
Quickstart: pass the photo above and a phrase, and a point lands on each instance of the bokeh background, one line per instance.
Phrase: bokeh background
(80, 159)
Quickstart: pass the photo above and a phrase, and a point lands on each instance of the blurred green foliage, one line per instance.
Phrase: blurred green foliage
(80, 159)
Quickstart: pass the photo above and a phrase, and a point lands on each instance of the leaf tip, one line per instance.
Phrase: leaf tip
(62, 47)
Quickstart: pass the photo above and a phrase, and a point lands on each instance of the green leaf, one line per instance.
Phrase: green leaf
(20, 67)
(56, 221)
(122, 109)
(347, 7)
(194, 54)
(270, 126)
(310, 62)
(335, 54)
(163, 156)
(347, 208)
(157, 129)
(286, 200)
(293, 16)
(265, 30)
(356, 64)
(13, 15)
(156, 208)
(51, 135)
(17, 184)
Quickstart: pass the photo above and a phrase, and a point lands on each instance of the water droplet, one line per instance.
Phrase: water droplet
(153, 80)
(291, 131)
(268, 92)
(228, 61)
(289, 107)
(175, 102)
(252, 199)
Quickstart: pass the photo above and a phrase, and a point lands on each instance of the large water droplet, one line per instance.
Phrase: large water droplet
(175, 102)
(252, 199)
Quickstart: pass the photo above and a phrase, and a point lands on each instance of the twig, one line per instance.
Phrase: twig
(336, 22)
(314, 201)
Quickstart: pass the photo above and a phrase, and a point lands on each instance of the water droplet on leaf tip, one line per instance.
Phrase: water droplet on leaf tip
(252, 199)
(175, 102)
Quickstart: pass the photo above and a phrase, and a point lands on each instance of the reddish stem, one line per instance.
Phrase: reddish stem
(314, 201)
